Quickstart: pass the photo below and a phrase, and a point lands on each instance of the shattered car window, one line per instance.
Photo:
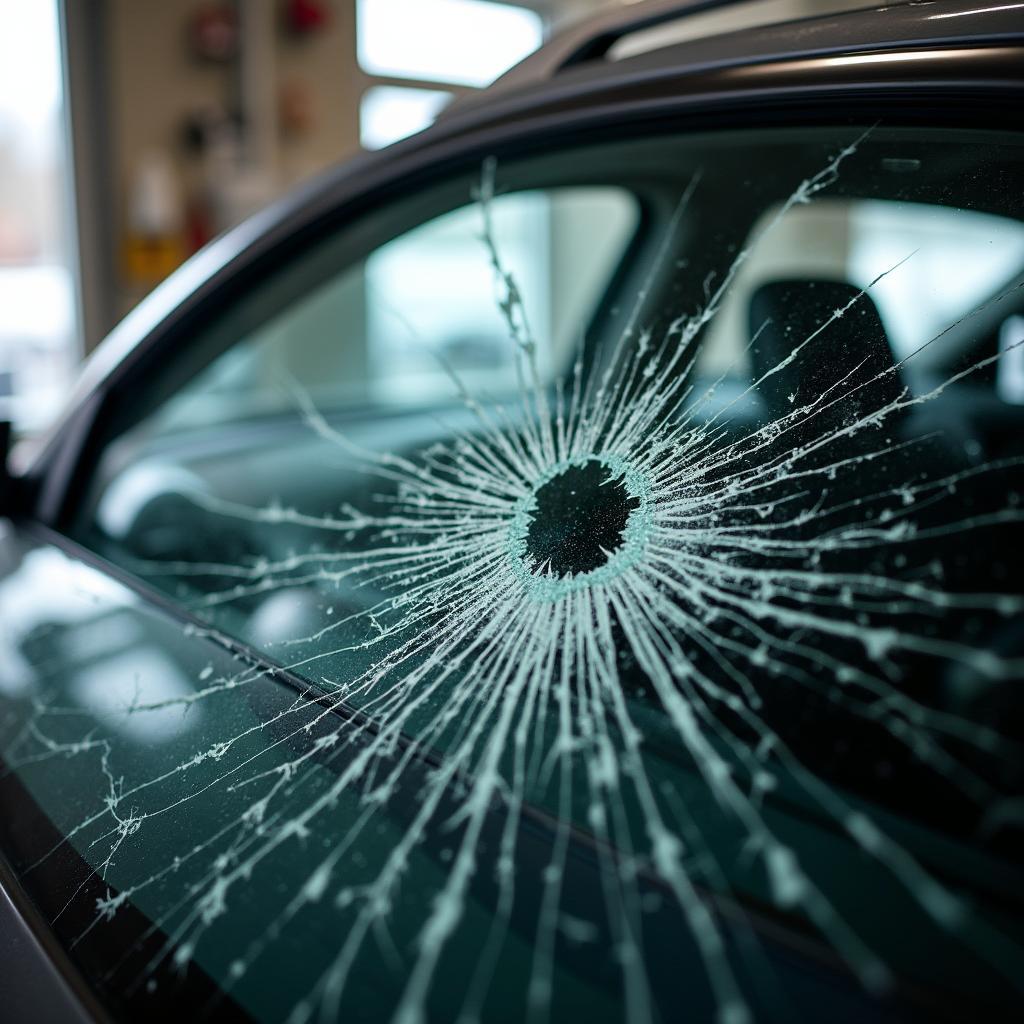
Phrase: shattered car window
(613, 560)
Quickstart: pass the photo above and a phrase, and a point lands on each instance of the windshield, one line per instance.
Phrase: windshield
(636, 528)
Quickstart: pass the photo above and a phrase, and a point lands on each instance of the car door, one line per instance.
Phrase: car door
(548, 589)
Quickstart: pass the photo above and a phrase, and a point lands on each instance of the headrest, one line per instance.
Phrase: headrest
(853, 346)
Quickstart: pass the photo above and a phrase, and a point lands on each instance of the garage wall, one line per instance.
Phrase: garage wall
(136, 85)
(156, 86)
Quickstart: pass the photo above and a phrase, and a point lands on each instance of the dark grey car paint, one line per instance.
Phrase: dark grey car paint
(34, 989)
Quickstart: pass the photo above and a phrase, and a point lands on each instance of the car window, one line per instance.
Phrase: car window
(620, 545)
(959, 255)
(394, 327)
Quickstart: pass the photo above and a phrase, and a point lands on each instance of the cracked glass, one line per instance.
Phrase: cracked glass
(595, 589)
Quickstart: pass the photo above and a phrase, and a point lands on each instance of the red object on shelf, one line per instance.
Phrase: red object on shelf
(305, 16)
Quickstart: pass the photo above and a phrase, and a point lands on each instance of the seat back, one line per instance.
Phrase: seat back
(853, 346)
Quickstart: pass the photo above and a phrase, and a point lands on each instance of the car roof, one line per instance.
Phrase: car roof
(583, 52)
(903, 23)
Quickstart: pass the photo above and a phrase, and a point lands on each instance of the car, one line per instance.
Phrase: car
(566, 565)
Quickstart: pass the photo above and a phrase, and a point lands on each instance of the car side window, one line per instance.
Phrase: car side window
(620, 562)
(399, 332)
(390, 330)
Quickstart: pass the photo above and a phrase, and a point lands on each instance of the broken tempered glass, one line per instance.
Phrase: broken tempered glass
(633, 671)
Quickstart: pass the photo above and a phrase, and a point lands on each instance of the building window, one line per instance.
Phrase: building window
(462, 42)
(388, 113)
(458, 44)
(38, 340)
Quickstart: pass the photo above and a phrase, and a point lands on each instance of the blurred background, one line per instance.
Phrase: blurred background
(133, 131)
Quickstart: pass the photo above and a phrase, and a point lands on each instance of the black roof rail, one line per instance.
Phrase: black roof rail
(593, 37)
